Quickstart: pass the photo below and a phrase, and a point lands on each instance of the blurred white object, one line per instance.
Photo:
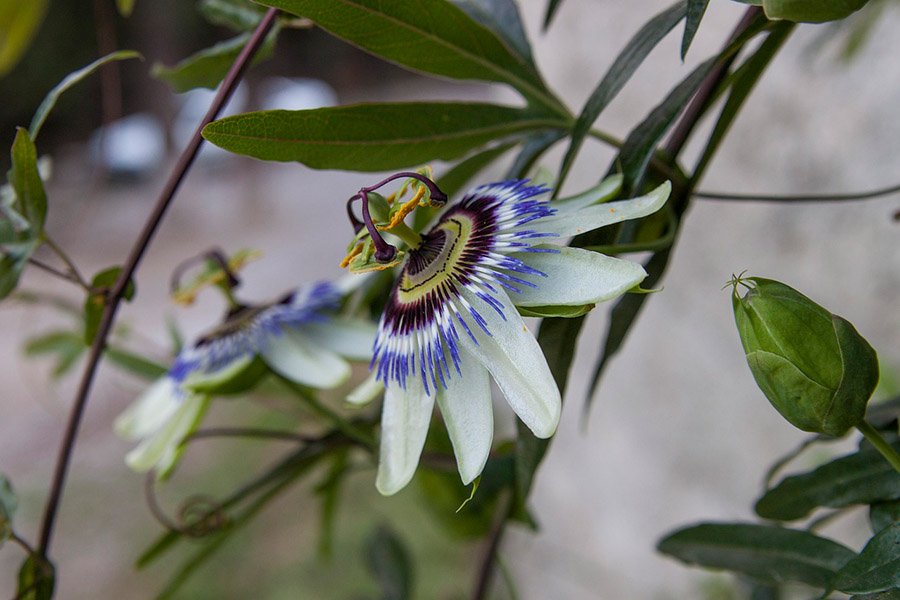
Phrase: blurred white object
(194, 105)
(296, 94)
(133, 146)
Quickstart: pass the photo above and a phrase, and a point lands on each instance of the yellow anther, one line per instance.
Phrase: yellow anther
(404, 210)
(353, 254)
(185, 295)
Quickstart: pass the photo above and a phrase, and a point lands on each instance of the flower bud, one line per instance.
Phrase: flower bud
(812, 365)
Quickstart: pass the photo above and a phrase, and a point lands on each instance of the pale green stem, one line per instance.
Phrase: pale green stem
(875, 438)
(407, 234)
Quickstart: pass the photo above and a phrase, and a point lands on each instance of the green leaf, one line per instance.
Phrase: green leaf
(742, 82)
(329, 490)
(860, 478)
(389, 562)
(8, 504)
(623, 67)
(811, 11)
(533, 148)
(49, 101)
(695, 11)
(68, 347)
(564, 312)
(884, 514)
(552, 9)
(501, 17)
(769, 554)
(31, 199)
(37, 578)
(877, 568)
(434, 37)
(207, 68)
(19, 22)
(370, 137)
(454, 180)
(135, 364)
(125, 7)
(239, 15)
(95, 302)
(893, 594)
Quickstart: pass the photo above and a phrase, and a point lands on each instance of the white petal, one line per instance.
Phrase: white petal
(469, 415)
(575, 276)
(404, 426)
(601, 192)
(292, 355)
(516, 362)
(149, 412)
(366, 391)
(162, 449)
(351, 338)
(568, 223)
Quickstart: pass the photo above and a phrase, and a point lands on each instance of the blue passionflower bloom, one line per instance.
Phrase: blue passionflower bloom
(297, 337)
(451, 322)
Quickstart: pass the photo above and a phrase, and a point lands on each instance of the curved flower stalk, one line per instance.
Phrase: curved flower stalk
(451, 322)
(297, 337)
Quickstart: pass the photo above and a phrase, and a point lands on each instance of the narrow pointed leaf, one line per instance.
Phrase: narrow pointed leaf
(19, 22)
(765, 553)
(389, 562)
(434, 37)
(238, 15)
(207, 68)
(860, 478)
(877, 568)
(884, 514)
(550, 14)
(371, 137)
(626, 63)
(31, 199)
(502, 17)
(49, 101)
(454, 180)
(695, 11)
(531, 151)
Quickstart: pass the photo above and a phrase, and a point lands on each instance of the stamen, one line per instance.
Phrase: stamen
(352, 254)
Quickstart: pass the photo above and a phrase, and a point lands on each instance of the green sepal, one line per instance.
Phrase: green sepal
(566, 312)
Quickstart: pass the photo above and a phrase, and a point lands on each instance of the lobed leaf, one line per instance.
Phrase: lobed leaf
(49, 101)
(371, 137)
(762, 552)
(860, 478)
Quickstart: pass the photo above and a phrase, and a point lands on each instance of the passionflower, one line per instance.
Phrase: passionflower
(451, 323)
(297, 337)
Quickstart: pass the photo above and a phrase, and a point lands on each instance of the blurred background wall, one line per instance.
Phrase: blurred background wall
(678, 431)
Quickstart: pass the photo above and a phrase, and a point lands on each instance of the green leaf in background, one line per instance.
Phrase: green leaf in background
(49, 101)
(884, 514)
(550, 13)
(765, 553)
(31, 199)
(207, 68)
(8, 504)
(434, 37)
(623, 67)
(811, 11)
(389, 562)
(535, 145)
(695, 11)
(37, 578)
(893, 594)
(860, 478)
(330, 491)
(877, 568)
(134, 363)
(19, 22)
(371, 137)
(238, 15)
(13, 258)
(501, 17)
(95, 302)
(742, 82)
(454, 180)
(67, 346)
(125, 7)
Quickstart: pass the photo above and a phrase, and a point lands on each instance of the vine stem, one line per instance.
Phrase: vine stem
(489, 557)
(128, 269)
(850, 196)
(880, 444)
